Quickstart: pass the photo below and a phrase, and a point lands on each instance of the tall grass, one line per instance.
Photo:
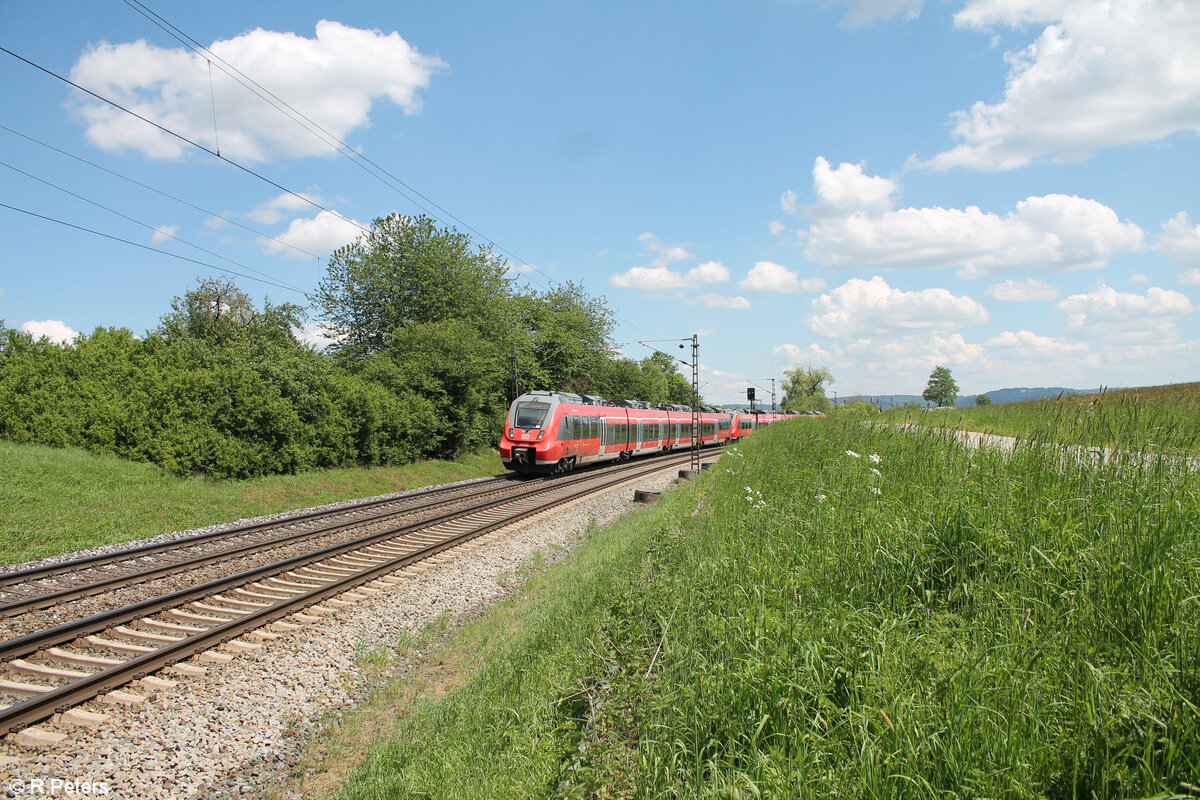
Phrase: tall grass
(1156, 419)
(853, 611)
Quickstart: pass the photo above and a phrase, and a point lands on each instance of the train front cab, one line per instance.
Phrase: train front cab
(528, 443)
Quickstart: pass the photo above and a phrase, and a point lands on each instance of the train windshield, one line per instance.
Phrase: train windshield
(530, 415)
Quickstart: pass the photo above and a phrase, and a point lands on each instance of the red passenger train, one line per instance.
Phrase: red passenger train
(558, 431)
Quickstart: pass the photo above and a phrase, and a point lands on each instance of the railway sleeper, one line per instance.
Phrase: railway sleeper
(20, 688)
(232, 601)
(284, 594)
(82, 659)
(324, 573)
(211, 620)
(21, 665)
(303, 587)
(118, 646)
(174, 626)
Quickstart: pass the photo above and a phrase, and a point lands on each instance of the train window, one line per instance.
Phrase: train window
(530, 415)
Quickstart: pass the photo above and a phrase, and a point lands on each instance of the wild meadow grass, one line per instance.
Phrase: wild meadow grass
(1155, 418)
(55, 500)
(839, 610)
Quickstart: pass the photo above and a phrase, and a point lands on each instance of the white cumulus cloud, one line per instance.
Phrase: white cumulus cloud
(847, 189)
(860, 308)
(164, 232)
(1180, 242)
(1099, 74)
(315, 333)
(321, 234)
(767, 276)
(667, 253)
(857, 225)
(711, 300)
(1023, 291)
(55, 330)
(863, 12)
(333, 79)
(1109, 314)
(283, 206)
(795, 354)
(1029, 346)
(660, 278)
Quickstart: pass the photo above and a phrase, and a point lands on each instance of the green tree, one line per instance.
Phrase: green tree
(983, 400)
(408, 271)
(941, 388)
(218, 312)
(562, 339)
(804, 389)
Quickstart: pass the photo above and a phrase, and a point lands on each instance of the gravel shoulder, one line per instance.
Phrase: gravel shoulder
(235, 731)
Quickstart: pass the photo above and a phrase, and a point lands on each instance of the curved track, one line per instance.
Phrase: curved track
(51, 584)
(59, 667)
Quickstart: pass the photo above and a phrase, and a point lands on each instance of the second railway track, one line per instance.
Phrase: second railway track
(57, 582)
(51, 670)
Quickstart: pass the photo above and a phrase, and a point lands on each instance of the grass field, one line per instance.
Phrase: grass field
(60, 500)
(836, 610)
(1154, 418)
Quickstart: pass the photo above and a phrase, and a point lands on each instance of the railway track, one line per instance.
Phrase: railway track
(59, 582)
(52, 670)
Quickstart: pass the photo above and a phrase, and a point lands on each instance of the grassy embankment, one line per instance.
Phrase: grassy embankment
(836, 610)
(1155, 418)
(59, 500)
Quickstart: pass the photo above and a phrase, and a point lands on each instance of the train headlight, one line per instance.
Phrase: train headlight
(511, 433)
(540, 435)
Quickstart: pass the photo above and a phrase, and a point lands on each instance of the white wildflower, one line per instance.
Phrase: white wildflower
(877, 472)
(876, 490)
(875, 458)
(852, 454)
(822, 498)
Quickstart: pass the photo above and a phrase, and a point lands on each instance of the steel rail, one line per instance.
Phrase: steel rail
(20, 605)
(128, 554)
(68, 631)
(41, 706)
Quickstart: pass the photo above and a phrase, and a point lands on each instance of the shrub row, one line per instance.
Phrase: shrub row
(254, 406)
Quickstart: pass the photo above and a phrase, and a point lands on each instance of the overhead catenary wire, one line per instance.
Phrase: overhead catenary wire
(158, 230)
(101, 234)
(255, 174)
(160, 192)
(365, 163)
(183, 138)
(374, 169)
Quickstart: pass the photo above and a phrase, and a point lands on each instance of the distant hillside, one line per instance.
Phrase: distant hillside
(1011, 395)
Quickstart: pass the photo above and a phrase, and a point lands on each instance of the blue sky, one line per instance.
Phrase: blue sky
(1003, 187)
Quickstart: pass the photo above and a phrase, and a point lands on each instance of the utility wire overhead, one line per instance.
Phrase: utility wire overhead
(182, 138)
(142, 246)
(160, 192)
(379, 172)
(239, 166)
(148, 226)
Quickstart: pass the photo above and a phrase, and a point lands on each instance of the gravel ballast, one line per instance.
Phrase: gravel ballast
(234, 731)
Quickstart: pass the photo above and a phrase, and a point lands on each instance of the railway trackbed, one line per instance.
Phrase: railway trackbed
(50, 671)
(55, 583)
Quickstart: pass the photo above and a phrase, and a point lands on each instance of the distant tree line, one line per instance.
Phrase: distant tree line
(432, 339)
